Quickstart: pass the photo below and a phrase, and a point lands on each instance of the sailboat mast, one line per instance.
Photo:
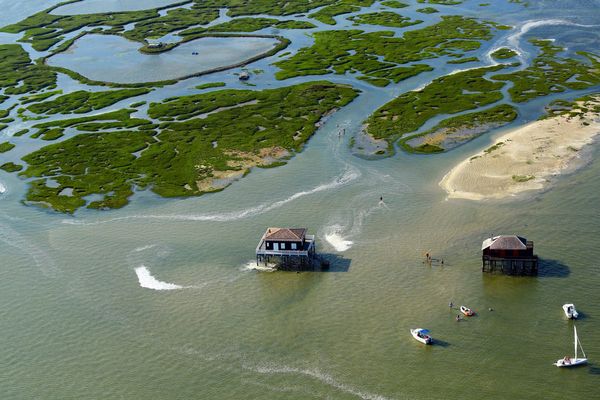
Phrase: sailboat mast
(575, 330)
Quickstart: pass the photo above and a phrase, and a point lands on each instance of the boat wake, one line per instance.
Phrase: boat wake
(319, 376)
(333, 236)
(2, 188)
(348, 176)
(144, 248)
(338, 234)
(148, 281)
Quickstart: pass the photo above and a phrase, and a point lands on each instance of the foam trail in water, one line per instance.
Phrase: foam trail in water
(254, 266)
(349, 175)
(150, 282)
(321, 377)
(333, 236)
(2, 188)
(143, 248)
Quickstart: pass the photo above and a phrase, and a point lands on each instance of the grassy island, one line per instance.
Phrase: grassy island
(82, 101)
(449, 94)
(455, 131)
(19, 75)
(379, 56)
(11, 167)
(463, 60)
(120, 119)
(6, 146)
(427, 10)
(443, 2)
(394, 4)
(550, 73)
(384, 18)
(504, 54)
(326, 14)
(44, 29)
(235, 130)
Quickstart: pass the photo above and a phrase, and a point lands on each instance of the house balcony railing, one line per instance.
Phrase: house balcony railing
(309, 244)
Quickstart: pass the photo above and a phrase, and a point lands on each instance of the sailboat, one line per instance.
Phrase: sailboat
(575, 361)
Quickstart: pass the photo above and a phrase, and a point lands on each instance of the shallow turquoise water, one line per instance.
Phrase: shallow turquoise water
(77, 322)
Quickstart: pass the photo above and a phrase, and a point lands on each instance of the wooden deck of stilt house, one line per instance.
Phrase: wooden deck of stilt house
(286, 247)
(509, 254)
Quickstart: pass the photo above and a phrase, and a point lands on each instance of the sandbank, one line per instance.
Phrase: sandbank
(526, 158)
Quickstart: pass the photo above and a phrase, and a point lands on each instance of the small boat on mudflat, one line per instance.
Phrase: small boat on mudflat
(467, 311)
(570, 311)
(575, 361)
(421, 335)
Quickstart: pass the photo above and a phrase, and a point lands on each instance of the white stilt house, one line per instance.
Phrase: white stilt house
(286, 245)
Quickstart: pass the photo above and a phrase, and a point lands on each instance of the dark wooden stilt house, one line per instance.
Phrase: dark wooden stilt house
(509, 254)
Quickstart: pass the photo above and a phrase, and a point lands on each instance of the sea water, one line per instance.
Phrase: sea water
(159, 299)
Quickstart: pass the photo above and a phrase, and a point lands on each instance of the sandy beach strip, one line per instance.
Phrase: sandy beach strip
(526, 158)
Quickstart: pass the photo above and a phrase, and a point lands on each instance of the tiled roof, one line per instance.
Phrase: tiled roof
(505, 242)
(285, 234)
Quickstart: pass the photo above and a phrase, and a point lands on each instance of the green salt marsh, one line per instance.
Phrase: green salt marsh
(458, 130)
(551, 73)
(450, 94)
(82, 101)
(377, 55)
(162, 293)
(384, 18)
(174, 160)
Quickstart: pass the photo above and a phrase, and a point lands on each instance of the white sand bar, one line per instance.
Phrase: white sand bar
(525, 158)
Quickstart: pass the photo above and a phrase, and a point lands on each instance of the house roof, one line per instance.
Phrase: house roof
(505, 242)
(285, 234)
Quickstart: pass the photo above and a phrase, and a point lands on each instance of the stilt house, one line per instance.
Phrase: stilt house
(286, 245)
(509, 254)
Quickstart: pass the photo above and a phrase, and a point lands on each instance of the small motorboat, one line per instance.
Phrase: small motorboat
(244, 76)
(422, 335)
(467, 311)
(575, 361)
(570, 311)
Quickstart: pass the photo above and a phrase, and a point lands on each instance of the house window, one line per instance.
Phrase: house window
(293, 246)
(282, 246)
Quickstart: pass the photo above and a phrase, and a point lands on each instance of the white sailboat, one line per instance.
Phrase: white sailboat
(575, 361)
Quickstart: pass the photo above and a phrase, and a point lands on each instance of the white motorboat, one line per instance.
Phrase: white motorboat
(570, 311)
(467, 311)
(575, 361)
(422, 335)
